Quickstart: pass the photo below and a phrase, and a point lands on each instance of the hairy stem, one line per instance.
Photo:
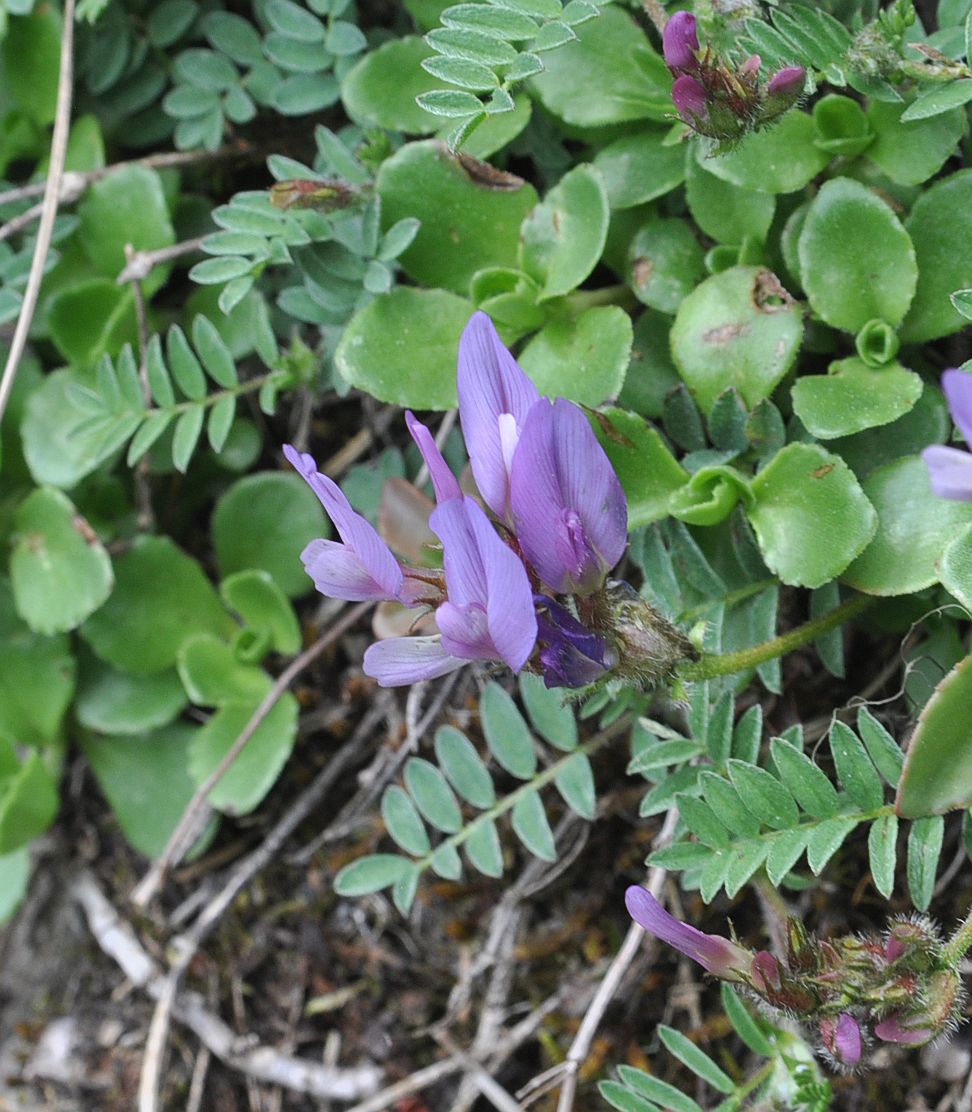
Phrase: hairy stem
(725, 664)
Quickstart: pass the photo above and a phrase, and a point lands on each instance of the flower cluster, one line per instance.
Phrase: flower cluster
(526, 586)
(950, 469)
(899, 988)
(717, 100)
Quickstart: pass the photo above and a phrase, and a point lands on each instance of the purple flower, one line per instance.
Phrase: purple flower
(445, 484)
(842, 1038)
(488, 613)
(571, 655)
(898, 1029)
(717, 955)
(363, 567)
(689, 97)
(569, 510)
(680, 41)
(495, 397)
(787, 83)
(949, 468)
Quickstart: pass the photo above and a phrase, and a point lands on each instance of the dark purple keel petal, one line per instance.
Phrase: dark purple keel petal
(571, 655)
(360, 537)
(958, 391)
(446, 485)
(404, 660)
(950, 472)
(568, 507)
(843, 1039)
(494, 399)
(680, 41)
(896, 1029)
(787, 83)
(718, 955)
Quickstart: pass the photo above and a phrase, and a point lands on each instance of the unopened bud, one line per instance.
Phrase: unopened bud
(680, 41)
(690, 100)
(786, 86)
(842, 1039)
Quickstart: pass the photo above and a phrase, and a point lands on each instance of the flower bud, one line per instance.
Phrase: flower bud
(680, 41)
(842, 1038)
(689, 98)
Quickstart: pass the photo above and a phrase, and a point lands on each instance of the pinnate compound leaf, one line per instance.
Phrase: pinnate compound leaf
(184, 365)
(214, 353)
(764, 795)
(787, 848)
(623, 1099)
(855, 768)
(882, 844)
(883, 750)
(221, 417)
(464, 767)
(551, 716)
(746, 1026)
(403, 822)
(484, 850)
(696, 1059)
(432, 795)
(575, 782)
(825, 840)
(655, 1089)
(507, 734)
(405, 888)
(924, 849)
(809, 786)
(532, 827)
(701, 820)
(370, 874)
(725, 802)
(188, 429)
(446, 862)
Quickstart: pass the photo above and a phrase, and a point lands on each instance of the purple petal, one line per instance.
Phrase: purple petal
(404, 660)
(494, 399)
(465, 631)
(339, 573)
(718, 955)
(680, 41)
(958, 390)
(787, 83)
(950, 472)
(572, 656)
(445, 483)
(689, 98)
(568, 506)
(842, 1037)
(375, 559)
(895, 1029)
(484, 573)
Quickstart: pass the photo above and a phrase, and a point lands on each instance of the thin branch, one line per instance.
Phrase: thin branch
(581, 1046)
(656, 13)
(140, 264)
(142, 482)
(180, 839)
(59, 139)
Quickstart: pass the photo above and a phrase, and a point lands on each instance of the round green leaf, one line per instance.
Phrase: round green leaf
(639, 168)
(263, 607)
(739, 328)
(403, 346)
(127, 206)
(255, 770)
(380, 90)
(853, 397)
(665, 263)
(264, 521)
(856, 261)
(31, 52)
(114, 702)
(371, 874)
(810, 515)
(144, 778)
(726, 212)
(470, 213)
(648, 471)
(92, 318)
(955, 568)
(911, 153)
(36, 680)
(609, 74)
(28, 803)
(582, 358)
(942, 234)
(59, 568)
(937, 773)
(914, 528)
(780, 159)
(212, 675)
(161, 598)
(14, 875)
(562, 239)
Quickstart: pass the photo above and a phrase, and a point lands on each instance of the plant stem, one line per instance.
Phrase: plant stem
(725, 664)
(960, 941)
